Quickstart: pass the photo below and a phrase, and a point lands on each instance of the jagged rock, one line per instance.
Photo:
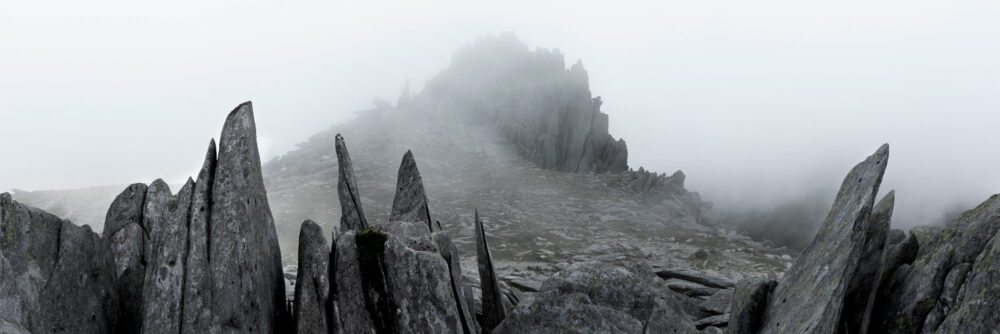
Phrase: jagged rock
(471, 302)
(312, 286)
(123, 229)
(126, 209)
(163, 287)
(909, 300)
(247, 286)
(750, 298)
(949, 294)
(493, 311)
(865, 280)
(811, 296)
(927, 237)
(154, 212)
(390, 287)
(352, 215)
(450, 254)
(594, 297)
(718, 303)
(713, 282)
(197, 270)
(55, 277)
(977, 307)
(554, 122)
(410, 203)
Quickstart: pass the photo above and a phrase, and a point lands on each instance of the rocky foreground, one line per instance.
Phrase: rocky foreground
(206, 259)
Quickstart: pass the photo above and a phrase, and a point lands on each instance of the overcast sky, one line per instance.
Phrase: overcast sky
(756, 101)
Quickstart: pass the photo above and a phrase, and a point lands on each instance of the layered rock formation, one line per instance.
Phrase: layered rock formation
(553, 122)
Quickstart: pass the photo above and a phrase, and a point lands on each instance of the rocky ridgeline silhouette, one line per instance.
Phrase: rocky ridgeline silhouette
(206, 259)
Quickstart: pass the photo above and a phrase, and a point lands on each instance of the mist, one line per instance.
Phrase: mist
(759, 104)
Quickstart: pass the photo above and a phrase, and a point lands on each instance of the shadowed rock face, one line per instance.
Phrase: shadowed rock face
(312, 286)
(248, 291)
(493, 310)
(865, 279)
(127, 238)
(198, 274)
(352, 215)
(55, 277)
(749, 303)
(811, 297)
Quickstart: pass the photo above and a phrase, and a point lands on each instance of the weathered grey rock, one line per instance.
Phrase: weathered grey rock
(197, 269)
(927, 238)
(55, 277)
(712, 330)
(715, 321)
(155, 211)
(718, 303)
(163, 287)
(126, 209)
(949, 295)
(493, 311)
(410, 203)
(312, 286)
(750, 298)
(352, 215)
(596, 297)
(811, 296)
(690, 289)
(127, 247)
(247, 284)
(895, 236)
(450, 254)
(911, 301)
(123, 229)
(978, 303)
(389, 287)
(713, 282)
(865, 280)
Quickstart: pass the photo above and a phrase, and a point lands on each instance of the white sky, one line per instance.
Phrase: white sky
(755, 100)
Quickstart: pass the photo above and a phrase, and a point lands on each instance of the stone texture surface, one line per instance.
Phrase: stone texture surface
(385, 285)
(410, 202)
(126, 209)
(811, 296)
(163, 286)
(718, 303)
(197, 269)
(750, 298)
(312, 286)
(55, 277)
(595, 297)
(247, 284)
(492, 312)
(865, 280)
(450, 254)
(352, 215)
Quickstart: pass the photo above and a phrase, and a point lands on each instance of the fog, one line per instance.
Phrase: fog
(760, 103)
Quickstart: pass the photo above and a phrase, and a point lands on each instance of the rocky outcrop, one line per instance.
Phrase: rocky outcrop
(748, 306)
(811, 296)
(553, 121)
(352, 216)
(163, 287)
(410, 202)
(248, 290)
(450, 254)
(123, 229)
(312, 286)
(601, 298)
(55, 277)
(865, 278)
(197, 269)
(493, 311)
